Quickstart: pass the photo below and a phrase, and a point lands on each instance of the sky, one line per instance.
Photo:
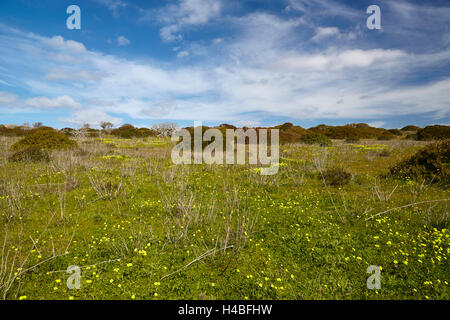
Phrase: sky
(247, 62)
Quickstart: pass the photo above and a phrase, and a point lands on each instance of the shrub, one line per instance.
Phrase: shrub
(336, 176)
(435, 132)
(384, 153)
(128, 131)
(431, 163)
(33, 154)
(386, 136)
(410, 128)
(311, 137)
(44, 138)
(68, 131)
(395, 132)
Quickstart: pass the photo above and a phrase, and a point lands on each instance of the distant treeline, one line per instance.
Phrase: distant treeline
(289, 133)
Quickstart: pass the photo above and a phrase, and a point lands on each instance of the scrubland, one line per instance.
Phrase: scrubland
(140, 227)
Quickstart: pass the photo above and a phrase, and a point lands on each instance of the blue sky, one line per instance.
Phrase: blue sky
(248, 62)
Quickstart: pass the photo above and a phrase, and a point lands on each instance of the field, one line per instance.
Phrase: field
(140, 227)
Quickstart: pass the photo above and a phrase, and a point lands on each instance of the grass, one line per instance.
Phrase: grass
(141, 228)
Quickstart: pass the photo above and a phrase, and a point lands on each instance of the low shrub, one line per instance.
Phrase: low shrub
(311, 137)
(395, 132)
(386, 136)
(410, 128)
(44, 138)
(436, 132)
(431, 163)
(127, 131)
(336, 176)
(32, 154)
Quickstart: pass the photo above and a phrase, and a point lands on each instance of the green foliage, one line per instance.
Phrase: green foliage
(396, 132)
(386, 136)
(410, 128)
(44, 138)
(436, 132)
(311, 137)
(141, 228)
(431, 163)
(32, 154)
(336, 176)
(127, 131)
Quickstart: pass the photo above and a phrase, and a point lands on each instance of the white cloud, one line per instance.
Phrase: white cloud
(113, 5)
(340, 60)
(325, 32)
(182, 54)
(377, 124)
(122, 41)
(92, 117)
(62, 74)
(5, 83)
(184, 14)
(47, 103)
(58, 42)
(325, 8)
(7, 99)
(247, 123)
(267, 67)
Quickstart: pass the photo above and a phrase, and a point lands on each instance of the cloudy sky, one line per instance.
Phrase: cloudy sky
(246, 62)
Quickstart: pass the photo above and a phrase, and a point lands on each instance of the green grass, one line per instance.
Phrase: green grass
(134, 222)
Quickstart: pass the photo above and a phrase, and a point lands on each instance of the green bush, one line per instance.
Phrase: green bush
(395, 132)
(44, 138)
(386, 136)
(336, 176)
(32, 154)
(410, 128)
(431, 163)
(128, 131)
(435, 132)
(311, 137)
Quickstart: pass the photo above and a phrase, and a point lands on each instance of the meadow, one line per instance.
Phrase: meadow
(140, 227)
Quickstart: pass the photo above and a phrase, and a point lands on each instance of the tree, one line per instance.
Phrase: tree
(165, 129)
(106, 125)
(37, 125)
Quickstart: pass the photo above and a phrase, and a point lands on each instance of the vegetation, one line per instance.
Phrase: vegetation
(127, 131)
(33, 154)
(44, 138)
(336, 176)
(436, 132)
(311, 137)
(432, 163)
(410, 128)
(140, 227)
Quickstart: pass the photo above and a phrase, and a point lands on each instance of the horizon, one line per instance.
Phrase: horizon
(245, 63)
(98, 127)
